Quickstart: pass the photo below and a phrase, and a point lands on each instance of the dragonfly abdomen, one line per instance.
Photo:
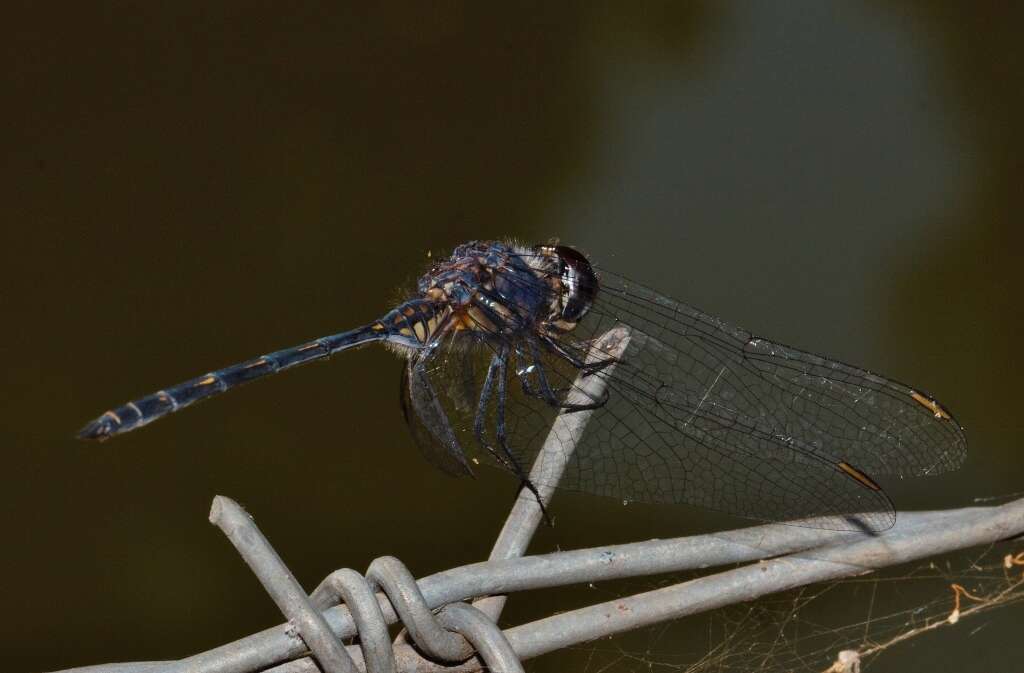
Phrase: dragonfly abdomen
(147, 409)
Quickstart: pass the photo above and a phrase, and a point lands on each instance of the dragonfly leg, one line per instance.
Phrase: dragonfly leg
(499, 423)
(545, 391)
(480, 419)
(524, 378)
(585, 367)
(495, 373)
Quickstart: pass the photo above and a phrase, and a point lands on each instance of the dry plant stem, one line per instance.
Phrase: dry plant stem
(982, 604)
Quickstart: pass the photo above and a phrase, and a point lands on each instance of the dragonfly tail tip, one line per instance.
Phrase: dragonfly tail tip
(99, 430)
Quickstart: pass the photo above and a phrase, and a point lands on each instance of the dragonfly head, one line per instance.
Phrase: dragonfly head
(576, 288)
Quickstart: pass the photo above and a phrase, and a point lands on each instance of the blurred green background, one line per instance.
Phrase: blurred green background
(187, 186)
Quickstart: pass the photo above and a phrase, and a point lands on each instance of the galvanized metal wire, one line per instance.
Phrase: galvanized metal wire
(452, 635)
(799, 556)
(444, 633)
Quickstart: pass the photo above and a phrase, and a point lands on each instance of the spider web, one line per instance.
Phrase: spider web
(840, 627)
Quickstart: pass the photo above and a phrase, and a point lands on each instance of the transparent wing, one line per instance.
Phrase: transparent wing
(428, 423)
(726, 377)
(703, 413)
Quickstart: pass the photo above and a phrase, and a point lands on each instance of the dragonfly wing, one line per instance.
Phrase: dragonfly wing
(828, 408)
(428, 423)
(701, 412)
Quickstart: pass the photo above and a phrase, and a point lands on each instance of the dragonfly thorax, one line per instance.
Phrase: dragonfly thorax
(494, 288)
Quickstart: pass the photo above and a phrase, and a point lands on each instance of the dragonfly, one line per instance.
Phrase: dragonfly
(693, 411)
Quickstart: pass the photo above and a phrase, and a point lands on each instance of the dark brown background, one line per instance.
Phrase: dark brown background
(186, 187)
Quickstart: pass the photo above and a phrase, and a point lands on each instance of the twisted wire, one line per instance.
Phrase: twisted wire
(452, 635)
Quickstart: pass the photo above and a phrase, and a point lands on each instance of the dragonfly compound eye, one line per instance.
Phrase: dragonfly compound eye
(579, 284)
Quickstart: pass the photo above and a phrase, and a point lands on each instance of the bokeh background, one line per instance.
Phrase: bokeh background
(186, 186)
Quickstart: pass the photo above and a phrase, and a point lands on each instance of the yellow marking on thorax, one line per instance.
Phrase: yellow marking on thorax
(117, 419)
(859, 476)
(206, 381)
(402, 324)
(421, 331)
(931, 405)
